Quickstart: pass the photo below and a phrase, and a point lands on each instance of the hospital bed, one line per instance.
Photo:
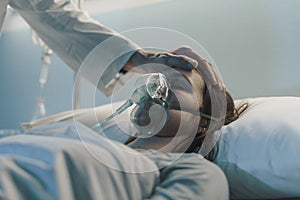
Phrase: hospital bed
(62, 158)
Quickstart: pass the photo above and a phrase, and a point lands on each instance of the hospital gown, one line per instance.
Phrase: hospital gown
(67, 160)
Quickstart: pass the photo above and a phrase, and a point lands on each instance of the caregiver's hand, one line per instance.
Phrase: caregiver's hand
(206, 69)
(170, 59)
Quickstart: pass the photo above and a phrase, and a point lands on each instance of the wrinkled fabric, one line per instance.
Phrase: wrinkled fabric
(73, 35)
(259, 152)
(57, 163)
(3, 9)
(69, 161)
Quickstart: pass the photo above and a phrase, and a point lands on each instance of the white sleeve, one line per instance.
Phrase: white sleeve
(3, 8)
(72, 35)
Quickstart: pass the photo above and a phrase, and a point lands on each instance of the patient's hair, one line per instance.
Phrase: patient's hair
(232, 113)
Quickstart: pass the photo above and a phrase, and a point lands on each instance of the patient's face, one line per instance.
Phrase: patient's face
(187, 97)
(181, 127)
(191, 93)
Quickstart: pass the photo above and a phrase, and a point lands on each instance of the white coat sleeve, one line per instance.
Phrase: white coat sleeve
(72, 35)
(3, 8)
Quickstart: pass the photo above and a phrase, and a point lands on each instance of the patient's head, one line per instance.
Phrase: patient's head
(200, 89)
(196, 98)
(205, 103)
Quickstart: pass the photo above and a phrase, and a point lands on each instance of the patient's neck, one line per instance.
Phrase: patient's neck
(175, 144)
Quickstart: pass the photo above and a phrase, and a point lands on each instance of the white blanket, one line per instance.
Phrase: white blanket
(69, 161)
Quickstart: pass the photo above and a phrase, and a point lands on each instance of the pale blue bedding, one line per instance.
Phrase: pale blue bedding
(69, 161)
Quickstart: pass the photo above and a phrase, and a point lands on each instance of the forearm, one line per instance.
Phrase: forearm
(73, 35)
(3, 8)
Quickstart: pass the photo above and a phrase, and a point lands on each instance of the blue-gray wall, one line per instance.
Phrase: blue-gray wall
(255, 44)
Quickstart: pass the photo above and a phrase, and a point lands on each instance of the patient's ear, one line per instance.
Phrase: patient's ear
(231, 113)
(206, 102)
(203, 123)
(206, 109)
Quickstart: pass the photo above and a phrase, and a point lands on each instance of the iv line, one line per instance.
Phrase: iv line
(122, 108)
(201, 114)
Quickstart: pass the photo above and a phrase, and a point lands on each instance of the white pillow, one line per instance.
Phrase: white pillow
(259, 152)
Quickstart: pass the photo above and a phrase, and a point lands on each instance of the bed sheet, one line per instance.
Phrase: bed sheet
(67, 160)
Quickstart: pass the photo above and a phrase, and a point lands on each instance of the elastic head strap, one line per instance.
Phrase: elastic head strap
(209, 117)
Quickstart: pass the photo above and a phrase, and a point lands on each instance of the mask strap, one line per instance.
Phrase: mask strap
(194, 112)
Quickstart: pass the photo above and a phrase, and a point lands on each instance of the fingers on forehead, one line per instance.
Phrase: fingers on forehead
(183, 50)
(190, 53)
(207, 72)
(206, 69)
(182, 62)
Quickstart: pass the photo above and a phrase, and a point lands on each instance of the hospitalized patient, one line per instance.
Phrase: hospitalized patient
(184, 129)
(67, 160)
(87, 167)
(187, 126)
(196, 109)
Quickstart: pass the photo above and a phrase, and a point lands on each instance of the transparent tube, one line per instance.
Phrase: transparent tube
(121, 109)
(150, 86)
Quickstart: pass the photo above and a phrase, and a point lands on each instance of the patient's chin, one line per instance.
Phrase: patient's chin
(172, 124)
